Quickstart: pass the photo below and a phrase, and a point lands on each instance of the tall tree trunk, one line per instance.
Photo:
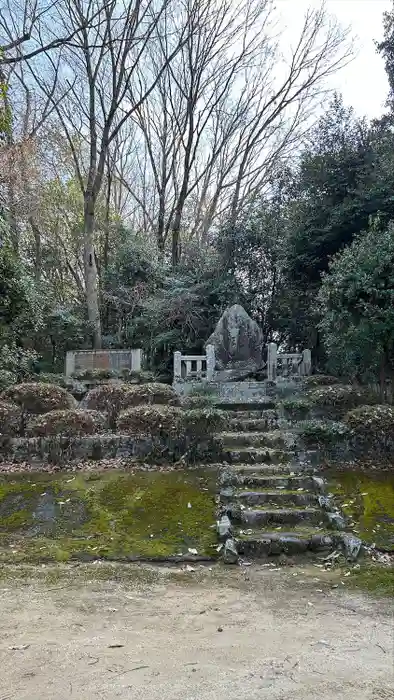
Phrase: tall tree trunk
(38, 250)
(91, 276)
(160, 237)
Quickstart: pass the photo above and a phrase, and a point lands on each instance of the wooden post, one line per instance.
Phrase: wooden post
(272, 357)
(177, 366)
(210, 351)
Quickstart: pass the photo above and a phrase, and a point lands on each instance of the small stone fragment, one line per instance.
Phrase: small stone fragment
(230, 554)
(351, 546)
(223, 527)
(336, 521)
(325, 502)
(318, 482)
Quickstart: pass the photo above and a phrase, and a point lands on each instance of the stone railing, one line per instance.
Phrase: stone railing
(191, 367)
(287, 364)
(115, 360)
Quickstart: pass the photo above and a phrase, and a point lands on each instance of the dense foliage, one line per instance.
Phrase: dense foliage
(357, 298)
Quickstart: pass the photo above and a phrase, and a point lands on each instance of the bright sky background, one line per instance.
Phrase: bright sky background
(363, 83)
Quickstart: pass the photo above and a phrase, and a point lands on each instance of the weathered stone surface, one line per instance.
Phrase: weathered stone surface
(336, 521)
(325, 502)
(351, 546)
(318, 483)
(230, 553)
(237, 340)
(223, 527)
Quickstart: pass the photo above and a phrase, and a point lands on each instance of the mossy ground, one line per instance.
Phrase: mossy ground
(110, 515)
(375, 579)
(368, 500)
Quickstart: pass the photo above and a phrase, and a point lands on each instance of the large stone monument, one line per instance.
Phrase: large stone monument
(238, 343)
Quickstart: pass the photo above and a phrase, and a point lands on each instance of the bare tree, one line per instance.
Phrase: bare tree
(98, 88)
(228, 109)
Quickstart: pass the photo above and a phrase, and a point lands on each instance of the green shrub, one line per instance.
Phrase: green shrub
(321, 380)
(71, 422)
(39, 398)
(51, 378)
(94, 374)
(204, 421)
(337, 400)
(10, 418)
(368, 421)
(6, 379)
(154, 393)
(114, 398)
(154, 421)
(320, 433)
(108, 398)
(75, 387)
(142, 377)
(297, 409)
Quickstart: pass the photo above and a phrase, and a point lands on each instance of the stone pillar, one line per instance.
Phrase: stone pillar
(136, 360)
(177, 366)
(306, 367)
(272, 357)
(70, 363)
(210, 352)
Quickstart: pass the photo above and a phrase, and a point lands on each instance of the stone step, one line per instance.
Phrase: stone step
(254, 455)
(255, 424)
(257, 517)
(290, 541)
(272, 481)
(268, 497)
(231, 473)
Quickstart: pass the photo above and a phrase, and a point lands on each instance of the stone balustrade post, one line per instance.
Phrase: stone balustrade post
(306, 363)
(70, 363)
(177, 366)
(210, 353)
(272, 358)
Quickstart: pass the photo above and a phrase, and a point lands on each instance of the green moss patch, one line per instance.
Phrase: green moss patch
(368, 501)
(373, 578)
(113, 515)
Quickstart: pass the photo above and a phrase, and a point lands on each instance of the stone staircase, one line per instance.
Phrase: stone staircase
(270, 500)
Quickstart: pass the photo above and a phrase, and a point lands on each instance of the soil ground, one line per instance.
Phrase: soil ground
(106, 632)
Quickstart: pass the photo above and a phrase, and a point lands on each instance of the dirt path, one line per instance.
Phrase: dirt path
(280, 639)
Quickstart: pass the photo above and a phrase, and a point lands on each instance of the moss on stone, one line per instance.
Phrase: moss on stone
(369, 503)
(114, 516)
